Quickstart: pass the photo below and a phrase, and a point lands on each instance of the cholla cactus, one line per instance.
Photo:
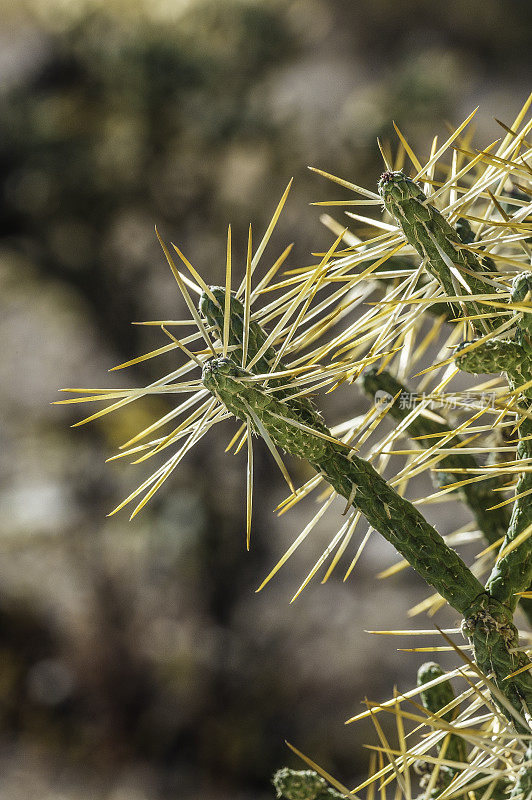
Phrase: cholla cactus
(302, 785)
(453, 243)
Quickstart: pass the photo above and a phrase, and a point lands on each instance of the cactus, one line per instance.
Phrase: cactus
(513, 572)
(303, 785)
(435, 699)
(260, 365)
(304, 435)
(458, 270)
(493, 524)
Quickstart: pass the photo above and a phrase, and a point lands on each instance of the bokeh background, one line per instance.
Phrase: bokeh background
(136, 660)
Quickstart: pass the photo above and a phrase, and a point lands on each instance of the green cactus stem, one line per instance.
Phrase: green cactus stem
(437, 697)
(211, 307)
(478, 496)
(352, 477)
(434, 699)
(495, 639)
(522, 789)
(303, 785)
(497, 355)
(437, 242)
(512, 572)
(437, 309)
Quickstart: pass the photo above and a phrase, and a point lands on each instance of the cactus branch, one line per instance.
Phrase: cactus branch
(458, 269)
(492, 522)
(478, 496)
(434, 700)
(490, 625)
(352, 477)
(512, 572)
(303, 785)
(523, 786)
(496, 355)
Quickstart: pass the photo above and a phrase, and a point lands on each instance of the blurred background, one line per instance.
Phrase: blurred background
(136, 660)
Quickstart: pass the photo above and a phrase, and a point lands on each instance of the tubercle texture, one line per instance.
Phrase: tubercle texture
(303, 785)
(427, 230)
(489, 626)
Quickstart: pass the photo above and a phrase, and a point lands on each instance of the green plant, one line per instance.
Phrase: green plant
(465, 241)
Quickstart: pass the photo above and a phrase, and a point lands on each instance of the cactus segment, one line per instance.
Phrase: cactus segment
(434, 699)
(256, 335)
(478, 496)
(512, 572)
(496, 355)
(457, 269)
(522, 293)
(305, 435)
(303, 785)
